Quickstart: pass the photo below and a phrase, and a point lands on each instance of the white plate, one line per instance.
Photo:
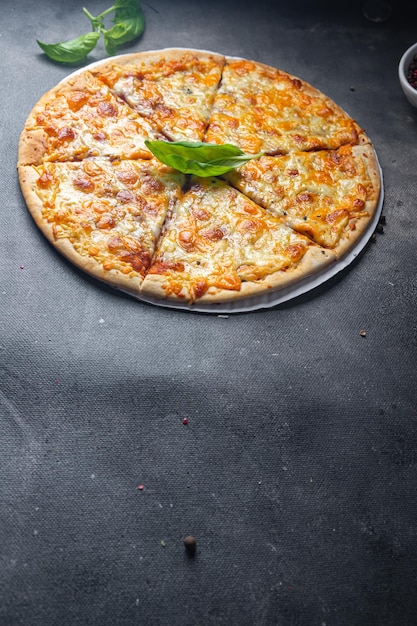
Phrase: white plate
(273, 298)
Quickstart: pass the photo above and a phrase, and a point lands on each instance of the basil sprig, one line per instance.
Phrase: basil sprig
(128, 24)
(198, 158)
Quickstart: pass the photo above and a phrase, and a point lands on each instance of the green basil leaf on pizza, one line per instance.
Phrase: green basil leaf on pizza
(199, 158)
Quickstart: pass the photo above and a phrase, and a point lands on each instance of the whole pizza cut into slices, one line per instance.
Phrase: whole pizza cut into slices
(83, 118)
(328, 195)
(175, 89)
(104, 216)
(220, 245)
(102, 198)
(260, 108)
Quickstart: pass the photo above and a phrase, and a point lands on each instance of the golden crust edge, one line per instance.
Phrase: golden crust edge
(31, 148)
(315, 260)
(172, 54)
(362, 223)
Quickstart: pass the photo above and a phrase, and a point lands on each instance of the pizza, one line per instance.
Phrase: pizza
(100, 196)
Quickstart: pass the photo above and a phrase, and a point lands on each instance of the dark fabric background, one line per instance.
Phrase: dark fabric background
(297, 470)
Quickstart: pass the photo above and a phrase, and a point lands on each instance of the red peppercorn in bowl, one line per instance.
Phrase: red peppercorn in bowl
(407, 72)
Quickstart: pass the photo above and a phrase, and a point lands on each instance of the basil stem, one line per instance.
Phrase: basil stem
(198, 158)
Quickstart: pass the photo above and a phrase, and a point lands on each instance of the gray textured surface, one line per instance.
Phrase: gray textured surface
(297, 470)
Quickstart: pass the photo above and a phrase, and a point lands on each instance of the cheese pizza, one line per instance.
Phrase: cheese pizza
(104, 201)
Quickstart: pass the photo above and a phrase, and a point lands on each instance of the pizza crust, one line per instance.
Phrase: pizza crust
(315, 261)
(32, 147)
(359, 226)
(147, 58)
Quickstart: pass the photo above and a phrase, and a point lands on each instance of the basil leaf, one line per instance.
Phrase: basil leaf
(199, 150)
(129, 23)
(127, 4)
(126, 30)
(200, 159)
(71, 51)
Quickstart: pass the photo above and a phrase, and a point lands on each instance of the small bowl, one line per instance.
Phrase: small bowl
(409, 91)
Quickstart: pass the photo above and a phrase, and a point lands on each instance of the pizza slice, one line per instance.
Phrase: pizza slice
(103, 216)
(173, 88)
(260, 108)
(83, 118)
(328, 195)
(220, 246)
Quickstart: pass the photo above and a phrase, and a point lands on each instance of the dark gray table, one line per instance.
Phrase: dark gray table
(297, 469)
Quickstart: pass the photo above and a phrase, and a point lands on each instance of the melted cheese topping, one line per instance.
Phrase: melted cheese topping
(260, 108)
(317, 193)
(219, 238)
(177, 95)
(103, 193)
(112, 212)
(91, 121)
